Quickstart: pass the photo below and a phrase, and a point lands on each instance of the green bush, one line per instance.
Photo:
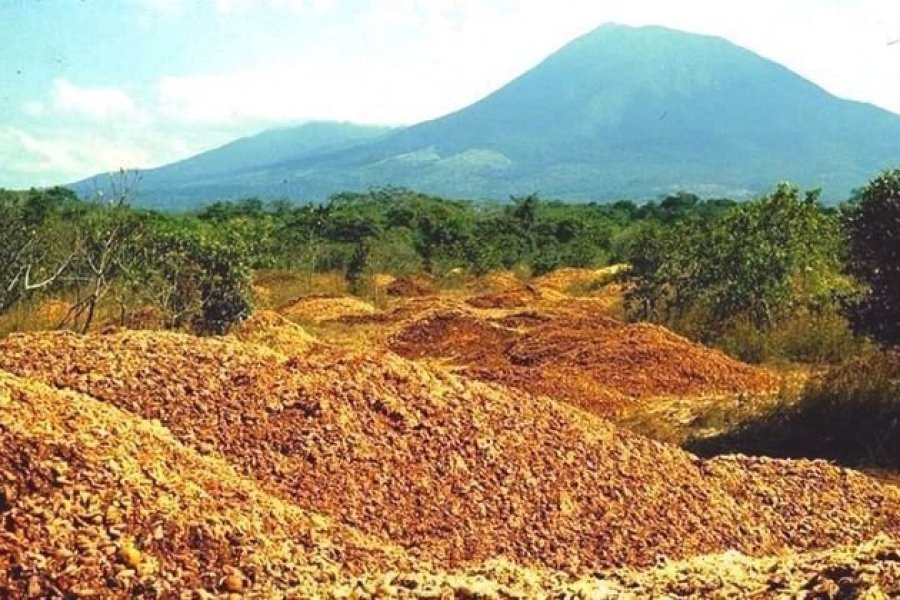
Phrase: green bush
(199, 276)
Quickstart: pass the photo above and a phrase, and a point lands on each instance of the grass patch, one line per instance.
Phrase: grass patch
(274, 288)
(808, 337)
(850, 414)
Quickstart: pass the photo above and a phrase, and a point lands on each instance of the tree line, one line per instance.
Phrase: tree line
(712, 268)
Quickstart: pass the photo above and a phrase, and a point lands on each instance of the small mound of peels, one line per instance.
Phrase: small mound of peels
(515, 298)
(451, 333)
(318, 309)
(496, 281)
(452, 470)
(591, 360)
(637, 360)
(412, 286)
(562, 280)
(274, 331)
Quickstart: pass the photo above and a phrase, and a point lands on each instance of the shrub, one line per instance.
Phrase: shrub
(200, 279)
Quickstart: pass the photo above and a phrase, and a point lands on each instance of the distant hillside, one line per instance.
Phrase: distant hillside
(197, 179)
(619, 112)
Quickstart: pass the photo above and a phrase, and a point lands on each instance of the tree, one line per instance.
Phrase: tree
(873, 226)
(196, 274)
(759, 261)
(524, 215)
(34, 253)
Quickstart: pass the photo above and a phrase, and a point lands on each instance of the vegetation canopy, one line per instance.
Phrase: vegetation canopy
(771, 278)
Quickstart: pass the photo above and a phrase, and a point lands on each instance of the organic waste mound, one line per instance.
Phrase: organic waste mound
(496, 281)
(412, 286)
(638, 360)
(596, 362)
(454, 334)
(97, 502)
(453, 470)
(271, 330)
(317, 309)
(563, 280)
(515, 298)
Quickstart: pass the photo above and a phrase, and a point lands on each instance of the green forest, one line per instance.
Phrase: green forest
(779, 277)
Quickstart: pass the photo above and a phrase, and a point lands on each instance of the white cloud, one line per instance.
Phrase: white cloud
(25, 153)
(93, 102)
(302, 91)
(75, 154)
(38, 156)
(35, 160)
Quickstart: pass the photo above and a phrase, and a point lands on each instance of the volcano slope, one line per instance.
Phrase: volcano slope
(452, 470)
(569, 352)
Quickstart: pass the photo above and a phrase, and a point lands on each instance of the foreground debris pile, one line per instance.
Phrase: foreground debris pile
(453, 470)
(161, 464)
(95, 501)
(867, 570)
(573, 354)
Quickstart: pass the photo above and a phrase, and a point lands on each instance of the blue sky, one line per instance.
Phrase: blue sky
(94, 85)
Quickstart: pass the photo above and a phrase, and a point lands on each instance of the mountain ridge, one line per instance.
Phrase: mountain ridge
(618, 112)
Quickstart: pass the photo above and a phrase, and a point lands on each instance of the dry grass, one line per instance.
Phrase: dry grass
(849, 414)
(49, 313)
(682, 419)
(275, 288)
